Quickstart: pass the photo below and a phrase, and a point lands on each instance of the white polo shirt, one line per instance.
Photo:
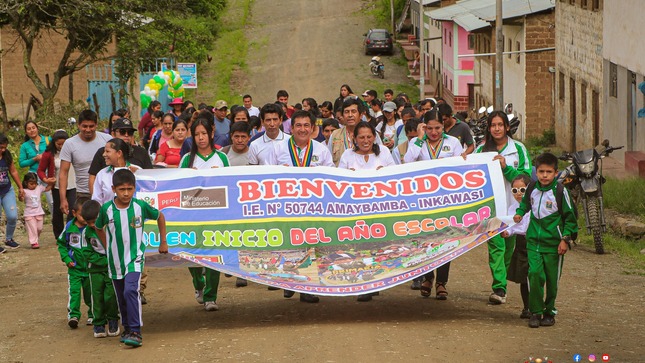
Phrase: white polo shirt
(351, 160)
(253, 111)
(261, 149)
(320, 155)
(418, 149)
(102, 188)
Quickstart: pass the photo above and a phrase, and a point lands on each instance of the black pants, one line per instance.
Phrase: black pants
(442, 274)
(57, 216)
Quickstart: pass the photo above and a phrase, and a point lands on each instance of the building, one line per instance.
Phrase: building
(432, 53)
(579, 70)
(623, 70)
(529, 39)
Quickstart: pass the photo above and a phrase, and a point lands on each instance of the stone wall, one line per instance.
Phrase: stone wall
(578, 39)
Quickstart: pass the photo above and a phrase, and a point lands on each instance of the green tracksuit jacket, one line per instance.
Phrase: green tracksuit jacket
(104, 303)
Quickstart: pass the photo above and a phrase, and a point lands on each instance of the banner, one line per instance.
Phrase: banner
(324, 230)
(188, 73)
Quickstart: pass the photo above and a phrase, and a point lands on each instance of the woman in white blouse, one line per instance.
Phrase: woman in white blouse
(366, 153)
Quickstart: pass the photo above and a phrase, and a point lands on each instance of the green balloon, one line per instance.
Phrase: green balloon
(145, 100)
(159, 80)
(180, 83)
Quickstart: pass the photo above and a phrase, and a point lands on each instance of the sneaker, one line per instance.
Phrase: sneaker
(308, 298)
(2, 250)
(73, 323)
(272, 288)
(113, 328)
(526, 314)
(144, 301)
(534, 321)
(364, 298)
(12, 244)
(35, 246)
(99, 331)
(89, 321)
(547, 320)
(126, 332)
(497, 297)
(210, 306)
(240, 282)
(133, 339)
(416, 284)
(199, 296)
(288, 293)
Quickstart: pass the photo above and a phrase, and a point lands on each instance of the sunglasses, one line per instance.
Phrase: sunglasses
(124, 132)
(518, 190)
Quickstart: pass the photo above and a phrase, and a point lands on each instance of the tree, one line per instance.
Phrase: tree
(143, 29)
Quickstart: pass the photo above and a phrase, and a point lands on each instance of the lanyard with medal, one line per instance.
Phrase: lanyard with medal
(293, 152)
(434, 151)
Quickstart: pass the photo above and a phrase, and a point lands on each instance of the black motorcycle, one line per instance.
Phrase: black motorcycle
(584, 180)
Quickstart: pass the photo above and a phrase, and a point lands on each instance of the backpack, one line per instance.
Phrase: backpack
(559, 197)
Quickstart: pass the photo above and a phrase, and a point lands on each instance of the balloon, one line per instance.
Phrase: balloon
(145, 100)
(146, 88)
(179, 84)
(160, 81)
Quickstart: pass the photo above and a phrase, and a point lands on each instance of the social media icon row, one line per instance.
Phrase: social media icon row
(591, 358)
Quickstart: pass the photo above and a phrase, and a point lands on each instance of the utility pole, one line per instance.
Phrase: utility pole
(499, 58)
(422, 54)
(392, 16)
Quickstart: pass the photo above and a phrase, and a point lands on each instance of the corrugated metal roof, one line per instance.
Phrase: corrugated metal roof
(428, 2)
(475, 14)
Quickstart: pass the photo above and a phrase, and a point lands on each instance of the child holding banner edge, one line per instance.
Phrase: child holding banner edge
(202, 155)
(514, 160)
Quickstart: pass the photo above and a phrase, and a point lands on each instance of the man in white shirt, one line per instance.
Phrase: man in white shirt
(248, 104)
(300, 150)
(261, 149)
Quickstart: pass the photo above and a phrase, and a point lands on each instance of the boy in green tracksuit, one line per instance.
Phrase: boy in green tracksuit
(547, 239)
(104, 305)
(70, 244)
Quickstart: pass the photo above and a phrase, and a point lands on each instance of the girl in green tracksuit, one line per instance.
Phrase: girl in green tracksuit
(514, 160)
(547, 239)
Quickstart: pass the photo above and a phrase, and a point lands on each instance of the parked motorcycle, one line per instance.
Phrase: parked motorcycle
(584, 180)
(513, 120)
(377, 68)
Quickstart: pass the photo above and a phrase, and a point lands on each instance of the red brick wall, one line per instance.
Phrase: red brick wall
(539, 33)
(17, 87)
(460, 104)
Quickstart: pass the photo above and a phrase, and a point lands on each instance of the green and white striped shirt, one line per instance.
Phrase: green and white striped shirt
(124, 233)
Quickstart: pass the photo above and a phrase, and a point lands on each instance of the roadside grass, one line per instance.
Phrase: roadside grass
(633, 262)
(625, 196)
(220, 76)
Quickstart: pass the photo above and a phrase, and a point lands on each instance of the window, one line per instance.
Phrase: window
(517, 60)
(596, 5)
(583, 97)
(434, 61)
(450, 39)
(561, 86)
(583, 4)
(445, 36)
(572, 2)
(450, 86)
(471, 41)
(613, 80)
(510, 48)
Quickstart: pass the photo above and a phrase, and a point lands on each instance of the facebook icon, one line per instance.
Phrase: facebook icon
(577, 357)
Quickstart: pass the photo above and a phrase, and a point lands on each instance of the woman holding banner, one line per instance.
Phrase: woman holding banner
(202, 155)
(365, 155)
(434, 144)
(514, 160)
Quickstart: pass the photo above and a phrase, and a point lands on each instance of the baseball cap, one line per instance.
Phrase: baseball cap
(389, 106)
(369, 92)
(122, 123)
(219, 104)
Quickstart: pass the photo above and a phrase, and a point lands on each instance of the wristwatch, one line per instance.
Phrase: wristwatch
(567, 240)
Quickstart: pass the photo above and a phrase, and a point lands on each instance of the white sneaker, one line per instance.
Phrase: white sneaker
(199, 296)
(89, 321)
(210, 306)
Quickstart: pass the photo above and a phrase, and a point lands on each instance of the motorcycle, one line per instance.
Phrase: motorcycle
(584, 180)
(513, 120)
(377, 68)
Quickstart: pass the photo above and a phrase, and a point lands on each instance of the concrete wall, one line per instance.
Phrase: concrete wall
(579, 48)
(623, 51)
(623, 34)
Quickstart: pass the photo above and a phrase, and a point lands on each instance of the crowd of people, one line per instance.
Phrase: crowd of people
(89, 179)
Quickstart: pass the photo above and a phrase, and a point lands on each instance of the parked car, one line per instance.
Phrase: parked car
(378, 41)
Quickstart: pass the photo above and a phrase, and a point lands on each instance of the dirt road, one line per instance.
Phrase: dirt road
(311, 48)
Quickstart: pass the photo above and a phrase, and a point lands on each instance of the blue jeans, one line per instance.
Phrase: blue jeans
(8, 203)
